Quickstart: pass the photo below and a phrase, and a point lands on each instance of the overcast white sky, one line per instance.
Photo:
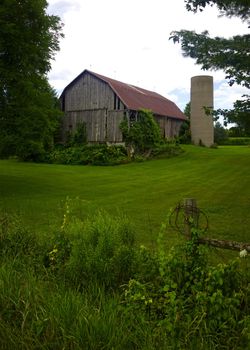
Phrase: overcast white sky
(128, 41)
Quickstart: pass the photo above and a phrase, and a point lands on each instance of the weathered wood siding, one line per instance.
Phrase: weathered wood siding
(89, 99)
(101, 125)
(170, 127)
(113, 126)
(92, 101)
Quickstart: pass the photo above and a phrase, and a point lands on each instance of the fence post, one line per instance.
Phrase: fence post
(192, 216)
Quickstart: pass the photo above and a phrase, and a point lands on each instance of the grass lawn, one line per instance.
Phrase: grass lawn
(218, 178)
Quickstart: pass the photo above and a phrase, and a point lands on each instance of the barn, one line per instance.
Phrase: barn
(102, 103)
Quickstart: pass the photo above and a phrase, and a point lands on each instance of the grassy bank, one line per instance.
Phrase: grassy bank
(218, 178)
(75, 277)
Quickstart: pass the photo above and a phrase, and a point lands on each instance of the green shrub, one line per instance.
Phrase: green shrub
(196, 305)
(69, 155)
(220, 134)
(166, 149)
(77, 137)
(185, 133)
(98, 154)
(236, 141)
(106, 155)
(80, 135)
(143, 134)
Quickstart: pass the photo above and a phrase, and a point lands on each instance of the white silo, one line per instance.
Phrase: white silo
(202, 127)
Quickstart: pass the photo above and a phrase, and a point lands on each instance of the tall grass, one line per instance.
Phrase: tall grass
(103, 252)
(89, 286)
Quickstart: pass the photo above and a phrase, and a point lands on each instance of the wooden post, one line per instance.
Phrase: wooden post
(219, 243)
(191, 215)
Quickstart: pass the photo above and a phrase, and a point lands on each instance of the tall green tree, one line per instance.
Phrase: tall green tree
(185, 132)
(231, 55)
(29, 39)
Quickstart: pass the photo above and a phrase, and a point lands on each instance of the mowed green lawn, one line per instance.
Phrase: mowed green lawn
(218, 178)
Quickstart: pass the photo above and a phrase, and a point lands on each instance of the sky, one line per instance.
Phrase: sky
(129, 41)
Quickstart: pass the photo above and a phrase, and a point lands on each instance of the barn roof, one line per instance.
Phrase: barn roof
(136, 98)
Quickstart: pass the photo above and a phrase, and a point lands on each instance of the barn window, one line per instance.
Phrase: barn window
(117, 102)
(63, 103)
(132, 117)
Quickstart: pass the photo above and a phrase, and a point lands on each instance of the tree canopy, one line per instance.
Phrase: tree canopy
(29, 39)
(231, 55)
(230, 8)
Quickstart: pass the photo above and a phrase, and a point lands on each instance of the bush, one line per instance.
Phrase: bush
(185, 133)
(89, 154)
(143, 137)
(106, 155)
(195, 305)
(143, 134)
(220, 134)
(69, 155)
(236, 141)
(78, 137)
(166, 149)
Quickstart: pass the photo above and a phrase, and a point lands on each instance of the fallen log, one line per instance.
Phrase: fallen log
(232, 245)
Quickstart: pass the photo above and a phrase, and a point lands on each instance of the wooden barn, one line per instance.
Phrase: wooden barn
(102, 103)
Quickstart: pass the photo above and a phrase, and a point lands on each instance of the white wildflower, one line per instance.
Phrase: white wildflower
(243, 253)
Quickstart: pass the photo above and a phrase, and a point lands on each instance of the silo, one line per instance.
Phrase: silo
(202, 128)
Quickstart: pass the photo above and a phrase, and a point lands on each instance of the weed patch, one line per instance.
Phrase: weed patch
(89, 285)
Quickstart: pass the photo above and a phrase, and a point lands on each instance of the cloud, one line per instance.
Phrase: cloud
(58, 77)
(225, 95)
(62, 7)
(130, 42)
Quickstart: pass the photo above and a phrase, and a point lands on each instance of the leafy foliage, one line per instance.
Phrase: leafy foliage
(29, 112)
(236, 141)
(230, 8)
(142, 135)
(230, 55)
(98, 154)
(79, 136)
(185, 132)
(197, 305)
(239, 115)
(220, 134)
(166, 150)
(98, 289)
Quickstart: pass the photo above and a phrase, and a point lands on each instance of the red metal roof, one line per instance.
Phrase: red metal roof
(136, 98)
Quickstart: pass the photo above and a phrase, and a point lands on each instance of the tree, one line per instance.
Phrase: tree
(220, 133)
(28, 109)
(144, 134)
(239, 115)
(230, 55)
(187, 110)
(185, 132)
